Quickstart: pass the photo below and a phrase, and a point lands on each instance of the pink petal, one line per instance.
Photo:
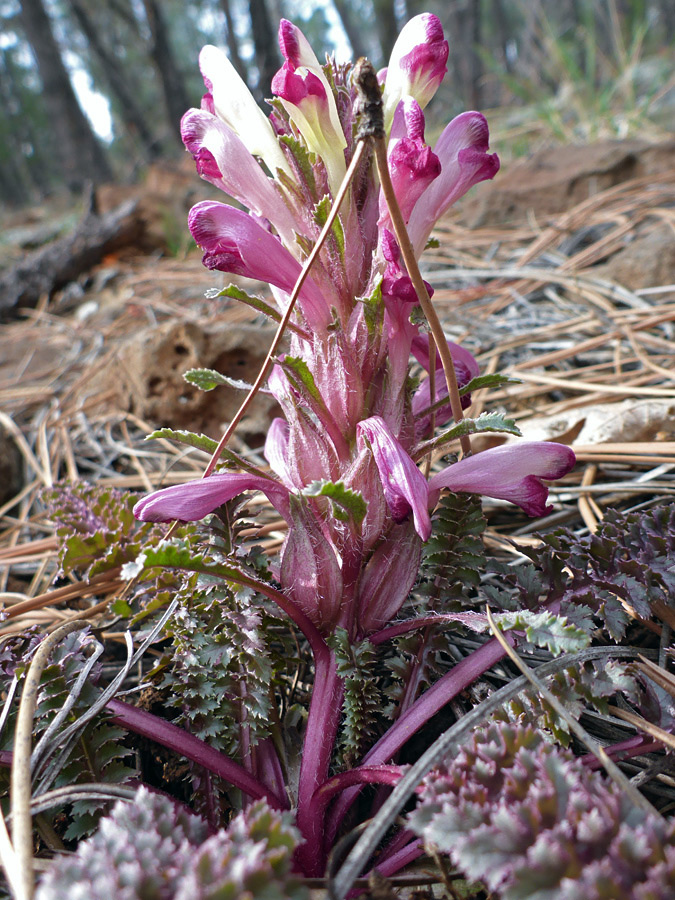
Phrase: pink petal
(222, 158)
(192, 501)
(512, 473)
(412, 164)
(466, 364)
(462, 149)
(418, 63)
(405, 488)
(234, 242)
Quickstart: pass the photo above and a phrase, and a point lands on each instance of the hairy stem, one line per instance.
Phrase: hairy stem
(408, 254)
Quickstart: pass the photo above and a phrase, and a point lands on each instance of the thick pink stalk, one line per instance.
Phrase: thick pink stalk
(322, 723)
(447, 687)
(186, 744)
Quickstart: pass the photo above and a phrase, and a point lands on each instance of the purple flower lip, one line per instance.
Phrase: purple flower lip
(513, 472)
(405, 488)
(193, 501)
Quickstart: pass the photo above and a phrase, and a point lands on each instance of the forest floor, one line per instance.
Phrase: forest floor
(578, 304)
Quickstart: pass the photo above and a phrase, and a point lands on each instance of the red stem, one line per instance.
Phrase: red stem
(181, 741)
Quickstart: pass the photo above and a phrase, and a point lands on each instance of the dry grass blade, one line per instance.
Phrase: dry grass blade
(20, 791)
(648, 727)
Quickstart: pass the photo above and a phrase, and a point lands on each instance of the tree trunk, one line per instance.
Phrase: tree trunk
(232, 44)
(387, 28)
(474, 33)
(351, 29)
(81, 158)
(267, 57)
(173, 87)
(133, 116)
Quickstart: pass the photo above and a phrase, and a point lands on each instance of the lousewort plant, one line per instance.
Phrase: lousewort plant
(343, 459)
(300, 678)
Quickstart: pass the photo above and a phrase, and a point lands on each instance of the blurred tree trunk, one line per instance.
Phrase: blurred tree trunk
(668, 15)
(173, 87)
(133, 116)
(232, 44)
(267, 57)
(351, 28)
(81, 157)
(503, 32)
(28, 172)
(465, 28)
(387, 28)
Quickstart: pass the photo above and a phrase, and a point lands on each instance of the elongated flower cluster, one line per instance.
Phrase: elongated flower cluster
(351, 414)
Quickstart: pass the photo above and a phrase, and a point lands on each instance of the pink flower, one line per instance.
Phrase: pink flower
(192, 501)
(308, 99)
(417, 64)
(462, 150)
(405, 488)
(466, 368)
(234, 242)
(412, 164)
(513, 472)
(223, 159)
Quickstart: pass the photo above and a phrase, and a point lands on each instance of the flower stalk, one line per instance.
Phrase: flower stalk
(337, 232)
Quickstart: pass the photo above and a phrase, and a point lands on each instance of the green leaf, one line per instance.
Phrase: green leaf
(362, 701)
(486, 422)
(347, 504)
(487, 381)
(297, 372)
(373, 309)
(208, 379)
(177, 554)
(198, 441)
(257, 303)
(545, 629)
(207, 445)
(301, 157)
(321, 214)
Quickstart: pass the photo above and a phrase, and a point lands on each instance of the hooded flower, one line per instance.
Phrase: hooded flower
(466, 368)
(233, 241)
(417, 65)
(405, 488)
(513, 472)
(462, 151)
(232, 102)
(193, 501)
(306, 95)
(412, 163)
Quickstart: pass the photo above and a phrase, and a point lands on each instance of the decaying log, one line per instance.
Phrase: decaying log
(52, 267)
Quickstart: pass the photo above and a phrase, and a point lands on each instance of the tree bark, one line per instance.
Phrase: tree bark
(132, 115)
(173, 87)
(267, 58)
(351, 29)
(81, 157)
(61, 262)
(387, 27)
(232, 44)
